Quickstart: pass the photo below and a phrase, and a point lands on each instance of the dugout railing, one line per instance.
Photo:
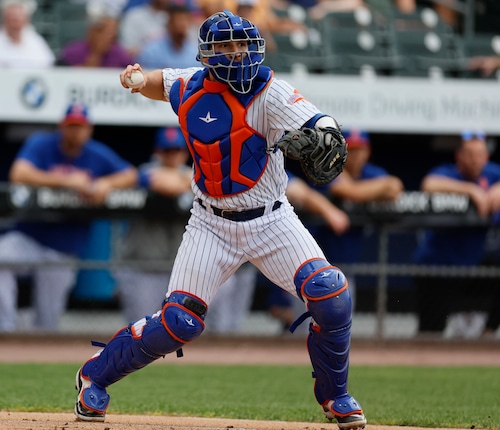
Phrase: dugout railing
(409, 215)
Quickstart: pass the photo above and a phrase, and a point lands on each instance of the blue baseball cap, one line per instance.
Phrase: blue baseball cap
(356, 138)
(76, 113)
(170, 138)
(473, 134)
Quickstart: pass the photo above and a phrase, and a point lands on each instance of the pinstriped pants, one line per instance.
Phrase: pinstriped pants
(213, 248)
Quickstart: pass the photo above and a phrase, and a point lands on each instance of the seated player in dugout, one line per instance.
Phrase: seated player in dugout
(67, 158)
(239, 122)
(472, 174)
(362, 181)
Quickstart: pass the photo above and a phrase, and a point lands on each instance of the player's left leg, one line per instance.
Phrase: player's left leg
(52, 286)
(15, 247)
(231, 305)
(140, 292)
(8, 301)
(325, 289)
(179, 321)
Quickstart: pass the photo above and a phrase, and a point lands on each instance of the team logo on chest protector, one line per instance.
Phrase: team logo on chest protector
(229, 156)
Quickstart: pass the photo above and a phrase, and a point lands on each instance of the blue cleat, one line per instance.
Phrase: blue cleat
(92, 401)
(347, 411)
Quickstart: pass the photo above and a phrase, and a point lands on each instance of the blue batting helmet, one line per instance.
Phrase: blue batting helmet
(227, 27)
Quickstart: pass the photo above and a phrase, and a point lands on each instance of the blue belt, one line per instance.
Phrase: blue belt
(239, 215)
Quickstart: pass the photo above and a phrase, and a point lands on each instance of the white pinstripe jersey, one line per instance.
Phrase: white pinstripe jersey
(277, 243)
(277, 109)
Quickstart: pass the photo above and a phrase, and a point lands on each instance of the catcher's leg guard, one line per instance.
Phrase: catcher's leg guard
(324, 287)
(179, 321)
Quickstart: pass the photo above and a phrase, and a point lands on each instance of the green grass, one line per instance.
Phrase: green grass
(454, 397)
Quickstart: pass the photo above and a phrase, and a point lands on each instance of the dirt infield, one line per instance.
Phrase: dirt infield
(230, 351)
(266, 350)
(36, 421)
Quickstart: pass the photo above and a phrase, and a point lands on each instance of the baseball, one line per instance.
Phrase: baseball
(136, 79)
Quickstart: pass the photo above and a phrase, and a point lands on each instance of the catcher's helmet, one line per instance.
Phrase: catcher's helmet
(226, 27)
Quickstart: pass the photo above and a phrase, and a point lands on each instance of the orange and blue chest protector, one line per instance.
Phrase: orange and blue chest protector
(229, 156)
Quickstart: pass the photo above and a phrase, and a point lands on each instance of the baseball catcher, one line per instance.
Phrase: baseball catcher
(321, 151)
(234, 113)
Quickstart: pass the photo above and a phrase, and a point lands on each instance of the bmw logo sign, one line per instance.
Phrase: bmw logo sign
(20, 196)
(34, 93)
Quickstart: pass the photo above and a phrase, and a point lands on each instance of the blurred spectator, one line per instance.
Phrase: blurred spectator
(20, 45)
(475, 176)
(68, 158)
(143, 23)
(177, 48)
(100, 47)
(258, 12)
(485, 65)
(360, 182)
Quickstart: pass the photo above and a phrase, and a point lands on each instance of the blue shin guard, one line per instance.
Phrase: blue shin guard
(324, 288)
(133, 347)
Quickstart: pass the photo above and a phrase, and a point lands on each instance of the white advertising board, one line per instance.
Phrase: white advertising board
(383, 104)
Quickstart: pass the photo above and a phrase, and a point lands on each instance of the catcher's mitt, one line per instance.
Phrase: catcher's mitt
(322, 152)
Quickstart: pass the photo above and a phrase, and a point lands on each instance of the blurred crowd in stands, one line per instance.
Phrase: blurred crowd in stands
(162, 33)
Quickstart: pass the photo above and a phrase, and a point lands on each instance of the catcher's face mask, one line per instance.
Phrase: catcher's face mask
(239, 68)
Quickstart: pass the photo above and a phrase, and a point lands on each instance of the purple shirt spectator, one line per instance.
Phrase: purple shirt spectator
(100, 48)
(76, 53)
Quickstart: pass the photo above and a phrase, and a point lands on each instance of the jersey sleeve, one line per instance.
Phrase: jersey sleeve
(286, 108)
